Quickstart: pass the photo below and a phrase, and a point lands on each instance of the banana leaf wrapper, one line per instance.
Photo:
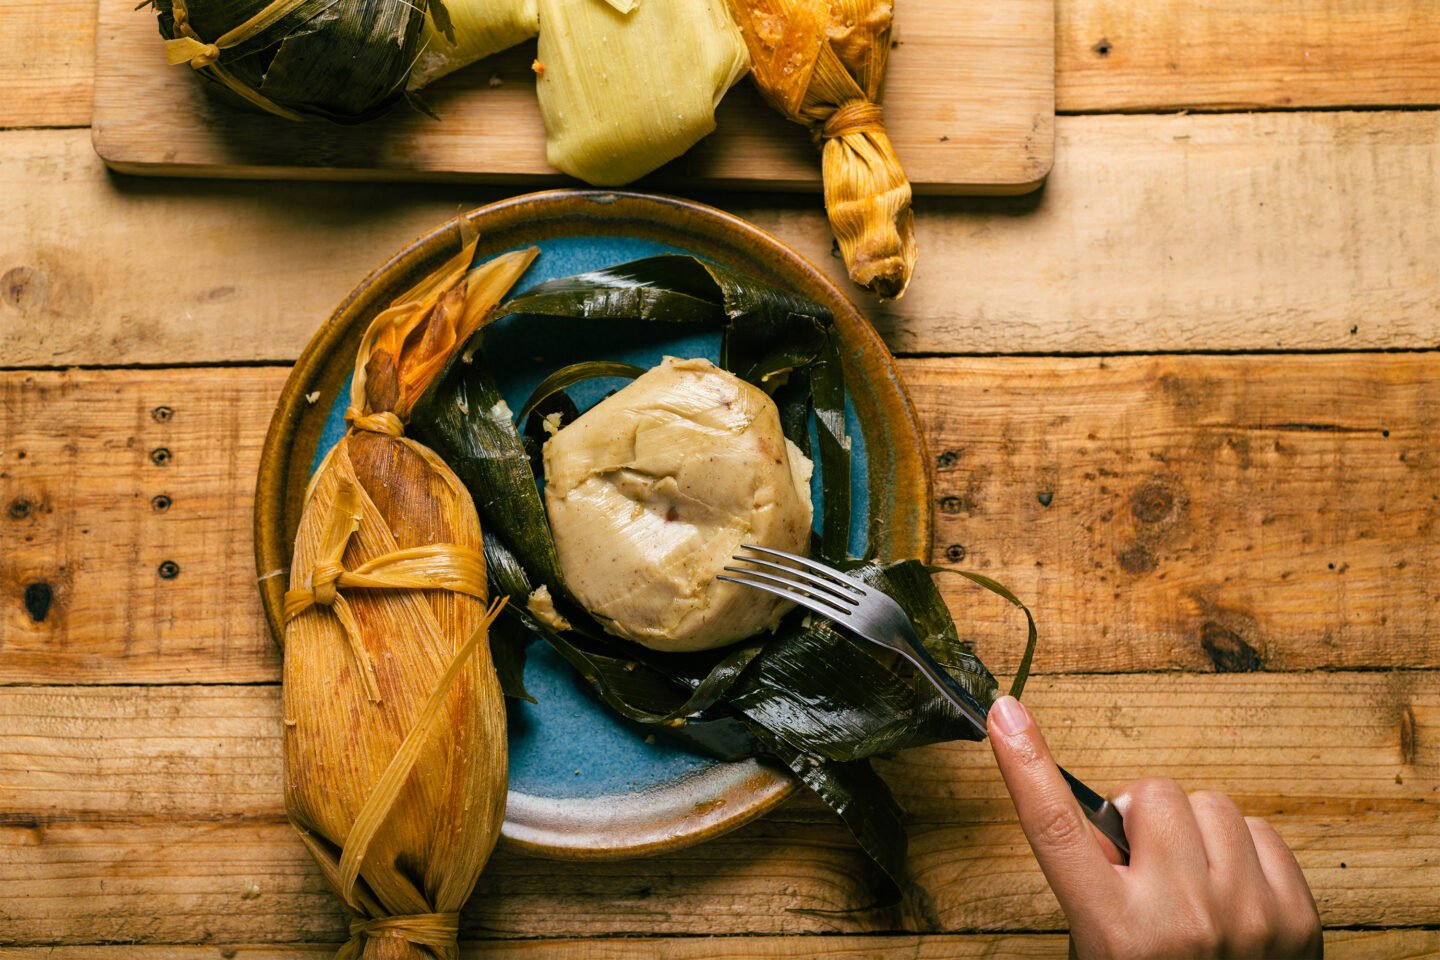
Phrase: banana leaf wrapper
(821, 63)
(340, 60)
(809, 696)
(395, 750)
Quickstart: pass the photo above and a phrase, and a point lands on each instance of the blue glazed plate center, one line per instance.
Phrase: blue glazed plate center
(568, 744)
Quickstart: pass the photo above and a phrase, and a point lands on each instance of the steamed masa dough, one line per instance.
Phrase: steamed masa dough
(654, 489)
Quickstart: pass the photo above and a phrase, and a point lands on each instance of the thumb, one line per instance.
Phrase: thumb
(1063, 840)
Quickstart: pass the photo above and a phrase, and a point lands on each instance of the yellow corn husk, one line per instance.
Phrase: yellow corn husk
(622, 93)
(459, 32)
(821, 63)
(395, 753)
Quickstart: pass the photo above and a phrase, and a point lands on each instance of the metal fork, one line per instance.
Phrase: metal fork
(873, 616)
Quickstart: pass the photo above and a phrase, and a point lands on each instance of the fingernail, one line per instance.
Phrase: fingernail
(1010, 715)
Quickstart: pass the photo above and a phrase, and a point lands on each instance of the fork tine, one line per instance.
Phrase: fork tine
(820, 605)
(837, 600)
(828, 573)
(826, 587)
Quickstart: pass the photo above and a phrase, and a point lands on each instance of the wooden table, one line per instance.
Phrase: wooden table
(1185, 402)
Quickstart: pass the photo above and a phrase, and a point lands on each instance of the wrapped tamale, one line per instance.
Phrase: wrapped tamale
(343, 60)
(821, 63)
(623, 92)
(395, 752)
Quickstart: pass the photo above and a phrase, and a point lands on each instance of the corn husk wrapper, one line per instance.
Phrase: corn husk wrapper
(341, 60)
(623, 92)
(395, 752)
(821, 63)
(459, 32)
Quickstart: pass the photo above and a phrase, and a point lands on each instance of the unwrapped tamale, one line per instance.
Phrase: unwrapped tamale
(821, 63)
(395, 752)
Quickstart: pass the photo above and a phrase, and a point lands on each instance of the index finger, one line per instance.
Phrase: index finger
(1061, 836)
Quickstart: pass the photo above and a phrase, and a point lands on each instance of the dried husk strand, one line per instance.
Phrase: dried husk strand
(395, 753)
(821, 63)
(202, 56)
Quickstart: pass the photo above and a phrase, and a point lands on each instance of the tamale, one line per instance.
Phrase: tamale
(623, 92)
(343, 60)
(395, 752)
(821, 63)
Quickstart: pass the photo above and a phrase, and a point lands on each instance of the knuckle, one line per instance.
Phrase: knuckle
(1213, 801)
(1198, 934)
(1253, 930)
(1156, 791)
(1298, 931)
(1057, 826)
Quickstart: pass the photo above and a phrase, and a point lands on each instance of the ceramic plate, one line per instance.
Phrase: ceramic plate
(584, 783)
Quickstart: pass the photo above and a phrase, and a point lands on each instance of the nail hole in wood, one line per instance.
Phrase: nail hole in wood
(38, 597)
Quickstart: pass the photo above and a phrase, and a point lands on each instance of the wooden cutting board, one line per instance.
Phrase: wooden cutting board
(969, 103)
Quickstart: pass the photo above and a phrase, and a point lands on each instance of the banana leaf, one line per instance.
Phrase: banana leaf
(466, 420)
(570, 376)
(809, 696)
(340, 60)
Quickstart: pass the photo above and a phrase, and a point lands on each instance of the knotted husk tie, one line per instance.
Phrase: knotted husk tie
(436, 566)
(190, 48)
(821, 63)
(437, 930)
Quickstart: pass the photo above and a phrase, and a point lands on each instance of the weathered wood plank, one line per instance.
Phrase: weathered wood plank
(73, 883)
(1226, 513)
(108, 478)
(1109, 56)
(1295, 231)
(47, 63)
(1316, 743)
(1339, 944)
(1196, 507)
(1244, 54)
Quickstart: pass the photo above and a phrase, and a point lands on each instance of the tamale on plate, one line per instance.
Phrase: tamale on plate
(395, 751)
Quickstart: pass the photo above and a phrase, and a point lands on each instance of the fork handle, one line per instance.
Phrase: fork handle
(1100, 812)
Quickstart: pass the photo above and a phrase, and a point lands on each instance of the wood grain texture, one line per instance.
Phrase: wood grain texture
(969, 98)
(1153, 234)
(1339, 945)
(83, 458)
(47, 60)
(1283, 744)
(1245, 54)
(1214, 513)
(69, 883)
(1205, 513)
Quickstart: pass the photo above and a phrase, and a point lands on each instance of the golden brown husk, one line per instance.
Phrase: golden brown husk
(395, 748)
(821, 63)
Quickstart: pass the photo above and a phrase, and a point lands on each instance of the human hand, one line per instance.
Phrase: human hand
(1203, 881)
